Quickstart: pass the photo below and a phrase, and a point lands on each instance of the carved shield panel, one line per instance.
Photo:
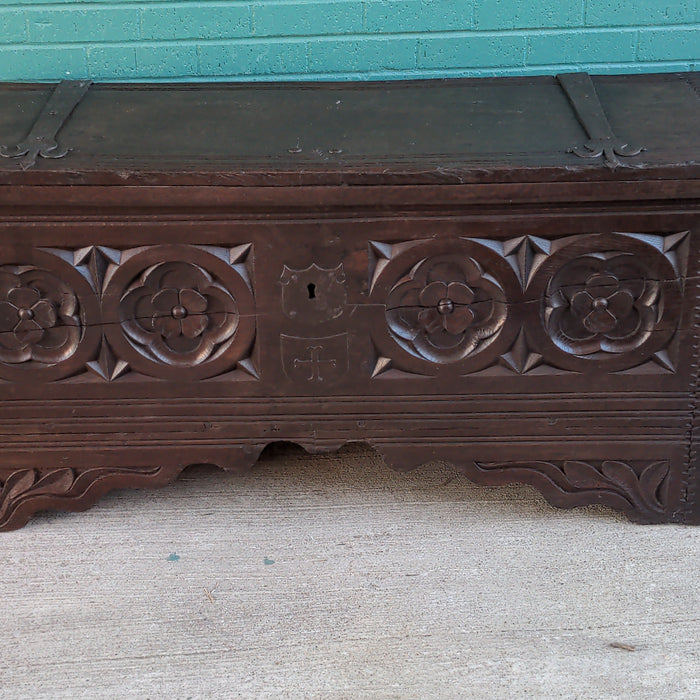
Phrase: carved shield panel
(315, 360)
(313, 295)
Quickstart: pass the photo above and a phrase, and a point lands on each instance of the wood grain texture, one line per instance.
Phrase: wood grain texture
(334, 577)
(505, 309)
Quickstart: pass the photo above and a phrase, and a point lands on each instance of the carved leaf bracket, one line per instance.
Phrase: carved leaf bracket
(76, 490)
(643, 492)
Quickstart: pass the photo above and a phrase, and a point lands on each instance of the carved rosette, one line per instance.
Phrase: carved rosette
(601, 303)
(39, 319)
(48, 319)
(189, 314)
(175, 313)
(446, 309)
(588, 302)
(445, 304)
(608, 302)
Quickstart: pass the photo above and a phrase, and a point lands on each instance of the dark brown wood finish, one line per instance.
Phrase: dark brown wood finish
(499, 273)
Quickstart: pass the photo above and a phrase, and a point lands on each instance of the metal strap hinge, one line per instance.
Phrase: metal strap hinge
(41, 140)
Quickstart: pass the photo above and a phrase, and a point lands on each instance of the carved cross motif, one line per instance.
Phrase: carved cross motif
(315, 359)
(315, 362)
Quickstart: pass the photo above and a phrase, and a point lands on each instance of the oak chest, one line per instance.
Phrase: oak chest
(498, 273)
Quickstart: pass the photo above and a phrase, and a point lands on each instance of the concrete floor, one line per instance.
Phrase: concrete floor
(333, 577)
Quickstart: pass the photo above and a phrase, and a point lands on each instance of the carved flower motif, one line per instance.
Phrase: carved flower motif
(38, 317)
(177, 314)
(30, 314)
(446, 309)
(600, 303)
(602, 307)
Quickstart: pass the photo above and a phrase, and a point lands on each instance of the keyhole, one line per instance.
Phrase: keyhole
(312, 290)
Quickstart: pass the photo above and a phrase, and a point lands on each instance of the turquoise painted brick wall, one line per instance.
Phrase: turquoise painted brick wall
(342, 39)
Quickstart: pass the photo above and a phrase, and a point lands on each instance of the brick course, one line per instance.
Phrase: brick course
(342, 39)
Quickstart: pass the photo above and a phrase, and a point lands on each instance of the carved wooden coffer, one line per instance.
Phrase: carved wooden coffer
(498, 273)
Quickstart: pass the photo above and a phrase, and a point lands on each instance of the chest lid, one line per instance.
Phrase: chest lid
(568, 127)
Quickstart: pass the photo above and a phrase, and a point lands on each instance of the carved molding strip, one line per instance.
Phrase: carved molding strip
(602, 141)
(41, 140)
(691, 469)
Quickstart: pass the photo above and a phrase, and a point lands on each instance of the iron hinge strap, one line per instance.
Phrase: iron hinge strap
(41, 140)
(602, 141)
